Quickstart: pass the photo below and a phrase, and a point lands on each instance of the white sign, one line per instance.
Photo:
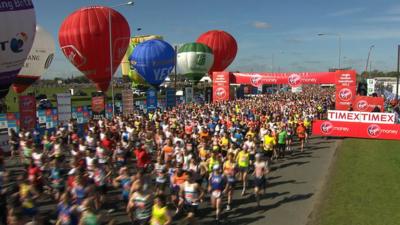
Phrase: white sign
(363, 117)
(297, 89)
(189, 94)
(64, 107)
(370, 86)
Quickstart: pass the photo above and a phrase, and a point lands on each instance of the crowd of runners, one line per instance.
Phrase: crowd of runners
(163, 164)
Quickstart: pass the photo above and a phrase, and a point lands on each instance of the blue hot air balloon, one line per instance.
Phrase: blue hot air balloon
(154, 60)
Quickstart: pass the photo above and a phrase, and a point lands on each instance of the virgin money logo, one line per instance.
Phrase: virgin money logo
(374, 130)
(255, 80)
(294, 80)
(74, 56)
(326, 127)
(345, 94)
(362, 105)
(220, 93)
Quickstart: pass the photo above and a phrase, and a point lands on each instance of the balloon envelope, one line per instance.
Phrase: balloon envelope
(126, 68)
(17, 32)
(154, 60)
(38, 61)
(84, 38)
(224, 48)
(194, 60)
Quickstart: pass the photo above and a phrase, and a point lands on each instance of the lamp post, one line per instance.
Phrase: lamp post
(130, 3)
(369, 54)
(339, 42)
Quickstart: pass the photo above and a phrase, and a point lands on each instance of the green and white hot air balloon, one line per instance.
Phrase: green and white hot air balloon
(194, 60)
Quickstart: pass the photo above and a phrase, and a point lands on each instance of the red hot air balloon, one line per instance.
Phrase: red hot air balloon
(85, 40)
(223, 45)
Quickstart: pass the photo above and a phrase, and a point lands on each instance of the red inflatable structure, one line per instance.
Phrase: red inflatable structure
(344, 80)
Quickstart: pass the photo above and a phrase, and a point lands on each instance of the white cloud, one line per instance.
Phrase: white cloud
(261, 25)
(346, 12)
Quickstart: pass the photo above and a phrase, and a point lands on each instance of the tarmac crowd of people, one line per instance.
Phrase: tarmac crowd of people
(163, 164)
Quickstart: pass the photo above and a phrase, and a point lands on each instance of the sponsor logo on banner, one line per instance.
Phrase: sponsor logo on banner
(221, 83)
(220, 92)
(294, 80)
(368, 104)
(98, 107)
(374, 130)
(356, 130)
(326, 127)
(345, 94)
(151, 99)
(27, 109)
(363, 117)
(255, 80)
(362, 105)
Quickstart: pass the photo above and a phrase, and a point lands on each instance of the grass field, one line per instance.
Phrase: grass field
(364, 188)
(12, 100)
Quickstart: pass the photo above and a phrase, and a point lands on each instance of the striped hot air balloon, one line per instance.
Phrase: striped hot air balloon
(194, 60)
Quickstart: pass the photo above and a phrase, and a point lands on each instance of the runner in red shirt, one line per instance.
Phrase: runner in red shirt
(142, 157)
(301, 133)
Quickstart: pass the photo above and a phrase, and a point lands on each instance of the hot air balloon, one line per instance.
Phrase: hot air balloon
(38, 61)
(224, 48)
(84, 38)
(126, 68)
(17, 32)
(154, 60)
(194, 60)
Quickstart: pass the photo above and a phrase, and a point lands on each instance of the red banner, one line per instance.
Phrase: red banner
(356, 130)
(347, 78)
(221, 81)
(27, 110)
(367, 104)
(98, 104)
(98, 107)
(344, 97)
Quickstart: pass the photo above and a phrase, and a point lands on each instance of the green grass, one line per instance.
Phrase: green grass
(364, 188)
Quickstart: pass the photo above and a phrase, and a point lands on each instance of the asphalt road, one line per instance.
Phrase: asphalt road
(293, 187)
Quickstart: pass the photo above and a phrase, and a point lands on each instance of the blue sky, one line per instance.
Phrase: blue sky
(280, 31)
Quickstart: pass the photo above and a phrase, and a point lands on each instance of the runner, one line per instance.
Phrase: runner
(282, 139)
(124, 181)
(260, 171)
(217, 187)
(140, 206)
(230, 169)
(243, 161)
(160, 214)
(269, 143)
(301, 134)
(191, 195)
